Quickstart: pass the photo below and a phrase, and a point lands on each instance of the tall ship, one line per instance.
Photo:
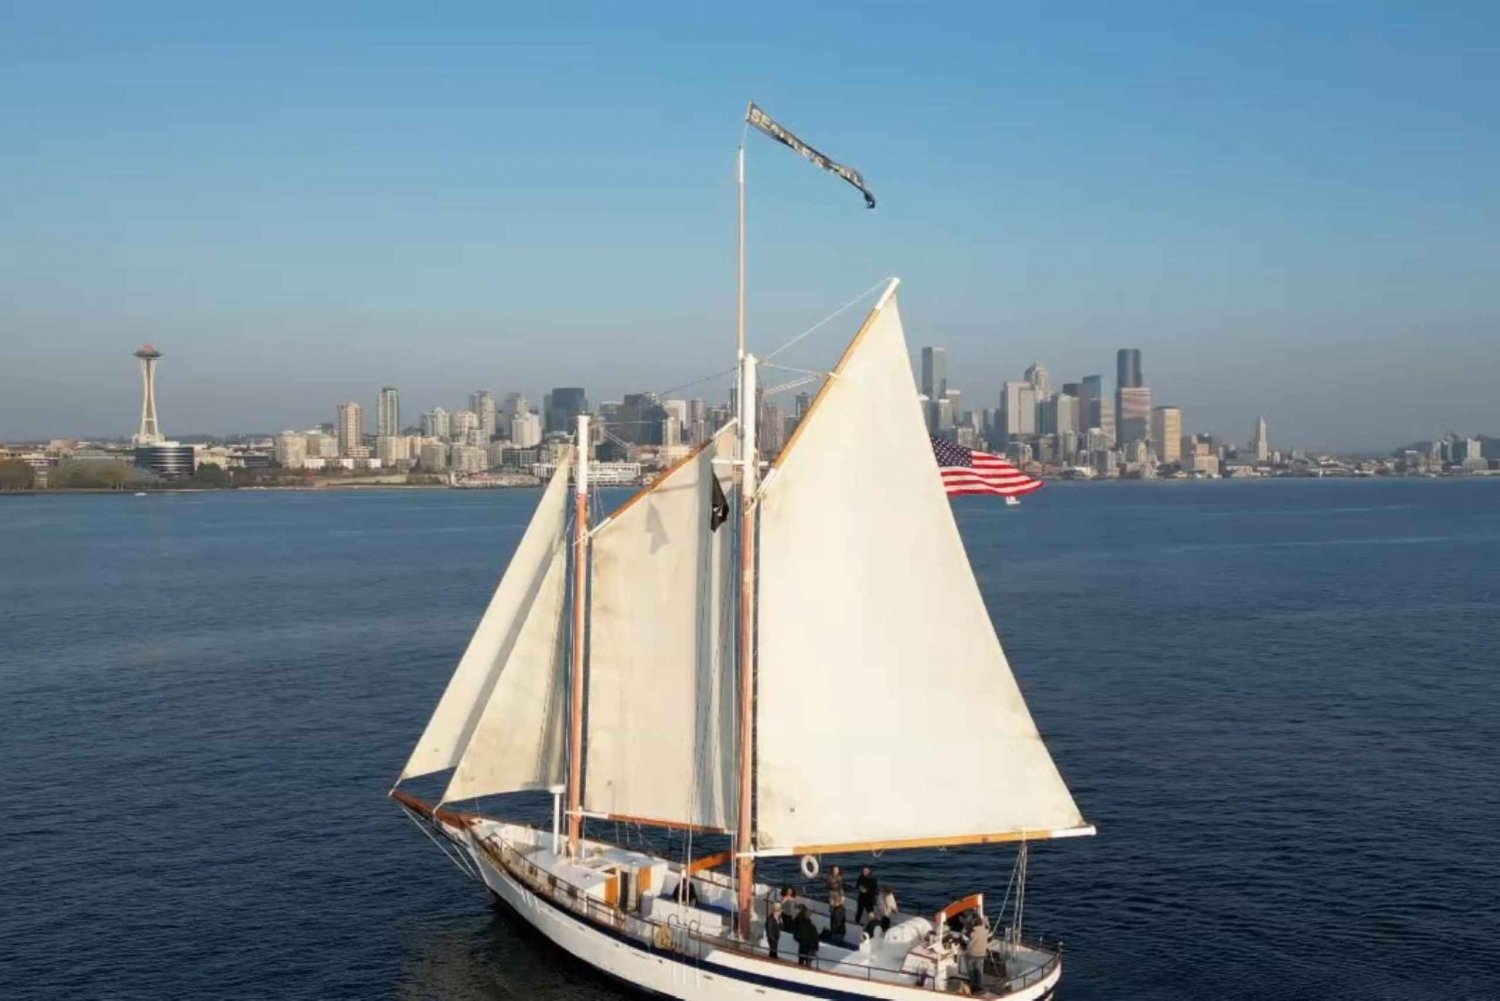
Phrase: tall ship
(783, 660)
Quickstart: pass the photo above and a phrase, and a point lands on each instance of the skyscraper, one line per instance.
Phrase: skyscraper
(1128, 369)
(437, 424)
(351, 428)
(1090, 396)
(482, 403)
(1134, 417)
(566, 403)
(388, 412)
(1166, 434)
(1017, 410)
(934, 373)
(1037, 376)
(1262, 441)
(1132, 398)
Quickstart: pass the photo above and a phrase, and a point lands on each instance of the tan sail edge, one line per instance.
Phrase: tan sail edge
(948, 841)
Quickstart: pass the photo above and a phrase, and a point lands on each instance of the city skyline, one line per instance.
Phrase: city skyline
(1327, 262)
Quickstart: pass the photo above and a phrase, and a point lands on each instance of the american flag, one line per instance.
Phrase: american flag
(966, 471)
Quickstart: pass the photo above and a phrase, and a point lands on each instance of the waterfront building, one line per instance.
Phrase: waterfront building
(290, 450)
(391, 449)
(167, 459)
(1166, 434)
(1107, 420)
(434, 456)
(525, 430)
(351, 427)
(388, 412)
(482, 404)
(321, 446)
(437, 423)
(466, 459)
(1261, 443)
(462, 422)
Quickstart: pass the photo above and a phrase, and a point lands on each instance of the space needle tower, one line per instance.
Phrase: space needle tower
(150, 432)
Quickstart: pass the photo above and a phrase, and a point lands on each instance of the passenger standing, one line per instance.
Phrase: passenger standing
(865, 887)
(837, 921)
(977, 949)
(835, 881)
(886, 908)
(806, 934)
(773, 930)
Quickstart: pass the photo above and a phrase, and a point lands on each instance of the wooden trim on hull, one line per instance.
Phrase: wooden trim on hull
(431, 812)
(952, 841)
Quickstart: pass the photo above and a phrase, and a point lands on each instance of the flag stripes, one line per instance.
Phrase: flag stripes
(966, 471)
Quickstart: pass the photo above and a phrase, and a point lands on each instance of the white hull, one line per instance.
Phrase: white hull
(686, 966)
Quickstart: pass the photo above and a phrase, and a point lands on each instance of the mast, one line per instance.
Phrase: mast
(749, 468)
(580, 599)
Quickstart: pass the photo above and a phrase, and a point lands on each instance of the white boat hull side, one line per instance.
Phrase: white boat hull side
(718, 976)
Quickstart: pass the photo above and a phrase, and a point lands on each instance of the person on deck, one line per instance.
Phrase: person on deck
(975, 951)
(885, 908)
(837, 922)
(806, 934)
(789, 901)
(865, 888)
(774, 926)
(835, 881)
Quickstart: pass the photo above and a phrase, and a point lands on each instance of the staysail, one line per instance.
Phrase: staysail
(661, 742)
(509, 643)
(887, 714)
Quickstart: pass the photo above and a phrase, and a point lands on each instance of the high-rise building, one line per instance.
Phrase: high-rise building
(640, 419)
(388, 412)
(1128, 369)
(482, 403)
(1037, 376)
(1107, 420)
(514, 403)
(1017, 410)
(351, 428)
(392, 449)
(525, 430)
(1166, 434)
(290, 450)
(437, 423)
(463, 422)
(1090, 396)
(1261, 444)
(1133, 418)
(934, 373)
(564, 404)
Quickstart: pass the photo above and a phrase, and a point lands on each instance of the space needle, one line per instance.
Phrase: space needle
(150, 432)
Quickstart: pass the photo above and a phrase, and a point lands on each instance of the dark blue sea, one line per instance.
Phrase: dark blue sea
(1279, 701)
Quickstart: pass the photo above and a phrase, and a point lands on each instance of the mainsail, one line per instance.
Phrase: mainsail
(508, 677)
(661, 742)
(887, 714)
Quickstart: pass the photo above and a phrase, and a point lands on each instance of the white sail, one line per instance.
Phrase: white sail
(886, 710)
(469, 690)
(661, 743)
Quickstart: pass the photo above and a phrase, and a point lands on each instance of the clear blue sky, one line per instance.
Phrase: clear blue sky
(1290, 209)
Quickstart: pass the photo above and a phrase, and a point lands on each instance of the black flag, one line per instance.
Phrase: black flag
(768, 125)
(718, 507)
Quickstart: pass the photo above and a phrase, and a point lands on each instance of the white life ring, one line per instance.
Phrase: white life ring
(809, 866)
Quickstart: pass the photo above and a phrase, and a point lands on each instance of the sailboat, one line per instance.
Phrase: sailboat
(813, 676)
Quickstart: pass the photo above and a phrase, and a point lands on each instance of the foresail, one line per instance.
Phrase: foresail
(468, 693)
(520, 741)
(661, 743)
(886, 711)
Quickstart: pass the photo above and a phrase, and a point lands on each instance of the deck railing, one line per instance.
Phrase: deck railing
(688, 938)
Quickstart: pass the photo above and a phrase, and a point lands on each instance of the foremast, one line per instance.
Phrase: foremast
(577, 638)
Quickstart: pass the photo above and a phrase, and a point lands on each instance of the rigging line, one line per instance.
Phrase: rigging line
(440, 846)
(831, 316)
(787, 386)
(695, 382)
(789, 368)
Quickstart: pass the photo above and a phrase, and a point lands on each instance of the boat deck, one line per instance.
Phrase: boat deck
(637, 894)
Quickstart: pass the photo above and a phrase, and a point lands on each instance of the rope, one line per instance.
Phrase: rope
(472, 874)
(831, 316)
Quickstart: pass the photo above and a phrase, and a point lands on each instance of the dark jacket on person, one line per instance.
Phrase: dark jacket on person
(807, 935)
(866, 887)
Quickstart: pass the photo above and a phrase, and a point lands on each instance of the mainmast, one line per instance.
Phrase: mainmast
(749, 470)
(580, 601)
